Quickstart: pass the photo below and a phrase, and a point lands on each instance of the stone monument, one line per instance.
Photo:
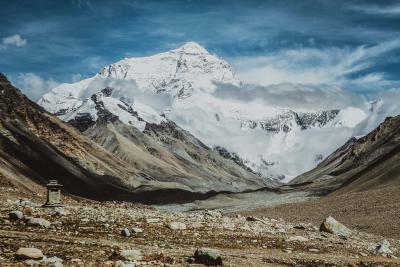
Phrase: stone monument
(53, 194)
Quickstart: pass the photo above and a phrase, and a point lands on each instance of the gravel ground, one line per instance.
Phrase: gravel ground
(87, 234)
(373, 211)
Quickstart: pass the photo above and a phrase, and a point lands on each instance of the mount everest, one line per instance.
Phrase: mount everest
(275, 133)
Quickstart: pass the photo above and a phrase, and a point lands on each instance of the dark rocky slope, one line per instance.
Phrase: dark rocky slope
(370, 162)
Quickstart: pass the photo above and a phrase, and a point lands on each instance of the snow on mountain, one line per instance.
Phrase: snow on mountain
(181, 85)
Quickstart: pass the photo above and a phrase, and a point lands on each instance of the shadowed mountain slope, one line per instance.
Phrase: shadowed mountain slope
(36, 146)
(370, 162)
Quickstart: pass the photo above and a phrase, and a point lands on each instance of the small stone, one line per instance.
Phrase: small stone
(15, 215)
(191, 260)
(251, 219)
(38, 222)
(29, 254)
(299, 226)
(126, 254)
(131, 254)
(330, 225)
(60, 211)
(152, 220)
(125, 232)
(314, 250)
(176, 226)
(297, 238)
(137, 230)
(123, 264)
(207, 256)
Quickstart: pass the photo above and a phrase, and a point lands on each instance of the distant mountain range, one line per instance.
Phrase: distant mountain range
(181, 86)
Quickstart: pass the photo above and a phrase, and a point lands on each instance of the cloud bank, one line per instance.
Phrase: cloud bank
(33, 85)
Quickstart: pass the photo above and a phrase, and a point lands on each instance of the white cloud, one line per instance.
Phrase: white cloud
(13, 40)
(33, 85)
(374, 9)
(314, 66)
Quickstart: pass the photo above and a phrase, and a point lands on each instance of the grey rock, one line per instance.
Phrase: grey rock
(15, 215)
(60, 212)
(297, 238)
(131, 254)
(152, 220)
(29, 254)
(126, 255)
(330, 225)
(208, 256)
(38, 222)
(176, 226)
(137, 230)
(125, 232)
(384, 248)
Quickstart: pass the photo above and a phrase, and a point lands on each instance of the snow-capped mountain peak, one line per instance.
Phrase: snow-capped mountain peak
(178, 72)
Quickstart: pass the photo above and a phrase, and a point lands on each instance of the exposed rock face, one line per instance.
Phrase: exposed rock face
(29, 254)
(287, 120)
(330, 225)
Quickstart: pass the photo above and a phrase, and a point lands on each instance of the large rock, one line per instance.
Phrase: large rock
(176, 226)
(15, 215)
(330, 225)
(38, 222)
(207, 256)
(29, 254)
(384, 248)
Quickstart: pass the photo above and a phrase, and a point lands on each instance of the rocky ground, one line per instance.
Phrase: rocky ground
(122, 234)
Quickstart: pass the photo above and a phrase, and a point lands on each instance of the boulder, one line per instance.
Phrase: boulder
(330, 225)
(16, 215)
(38, 222)
(29, 254)
(176, 226)
(208, 256)
(384, 248)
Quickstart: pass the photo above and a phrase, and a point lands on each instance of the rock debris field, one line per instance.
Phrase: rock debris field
(124, 234)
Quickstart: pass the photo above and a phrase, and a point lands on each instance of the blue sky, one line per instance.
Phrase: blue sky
(354, 44)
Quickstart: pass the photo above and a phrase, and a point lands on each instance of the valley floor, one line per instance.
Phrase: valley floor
(86, 234)
(373, 211)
